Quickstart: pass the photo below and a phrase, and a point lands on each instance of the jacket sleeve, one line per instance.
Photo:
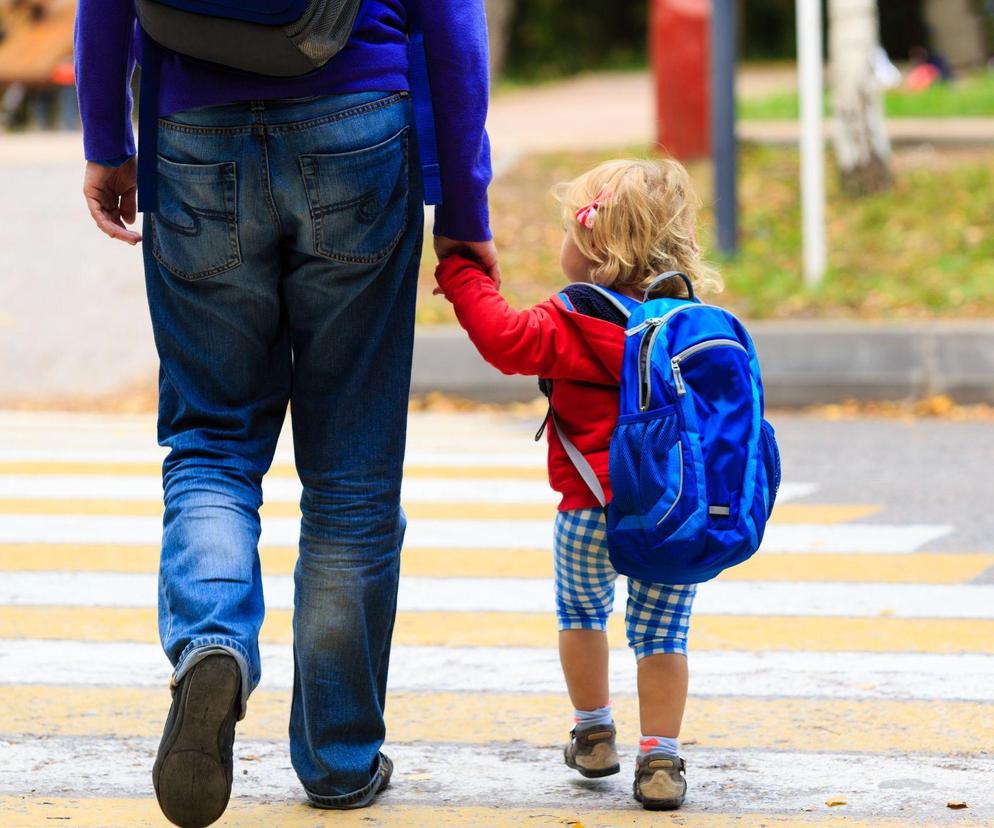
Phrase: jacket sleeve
(456, 47)
(105, 60)
(537, 341)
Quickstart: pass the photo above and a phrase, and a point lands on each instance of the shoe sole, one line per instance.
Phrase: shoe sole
(587, 773)
(658, 804)
(191, 781)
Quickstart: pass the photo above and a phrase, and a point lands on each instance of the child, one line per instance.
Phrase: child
(626, 222)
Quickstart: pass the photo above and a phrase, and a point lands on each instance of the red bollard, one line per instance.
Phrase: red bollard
(679, 36)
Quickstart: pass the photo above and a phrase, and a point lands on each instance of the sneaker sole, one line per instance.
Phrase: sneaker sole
(587, 772)
(191, 781)
(658, 804)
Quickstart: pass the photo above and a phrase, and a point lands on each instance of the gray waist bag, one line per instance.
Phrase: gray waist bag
(275, 38)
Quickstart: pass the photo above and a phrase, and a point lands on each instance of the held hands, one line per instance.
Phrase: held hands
(484, 253)
(111, 196)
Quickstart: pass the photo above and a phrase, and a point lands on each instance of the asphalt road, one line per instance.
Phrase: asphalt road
(850, 662)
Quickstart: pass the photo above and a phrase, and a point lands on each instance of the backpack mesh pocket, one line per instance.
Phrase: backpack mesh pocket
(771, 459)
(646, 463)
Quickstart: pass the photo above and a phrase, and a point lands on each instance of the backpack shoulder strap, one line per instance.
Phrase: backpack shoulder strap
(624, 304)
(580, 463)
(424, 112)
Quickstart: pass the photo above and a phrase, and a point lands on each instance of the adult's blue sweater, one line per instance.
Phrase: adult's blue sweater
(374, 60)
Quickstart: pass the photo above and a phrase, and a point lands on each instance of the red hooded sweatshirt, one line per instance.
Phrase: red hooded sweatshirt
(581, 354)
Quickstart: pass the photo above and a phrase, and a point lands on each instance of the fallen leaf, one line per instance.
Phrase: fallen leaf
(835, 801)
(956, 805)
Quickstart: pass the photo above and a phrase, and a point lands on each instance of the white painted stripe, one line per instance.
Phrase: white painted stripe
(462, 534)
(753, 598)
(282, 489)
(795, 491)
(453, 457)
(468, 775)
(275, 489)
(512, 670)
(497, 776)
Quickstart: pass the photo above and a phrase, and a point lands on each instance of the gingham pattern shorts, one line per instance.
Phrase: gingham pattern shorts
(657, 617)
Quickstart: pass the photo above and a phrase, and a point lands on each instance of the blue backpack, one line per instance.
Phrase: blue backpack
(694, 466)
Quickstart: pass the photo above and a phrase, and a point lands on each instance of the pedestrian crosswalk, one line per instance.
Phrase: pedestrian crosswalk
(847, 661)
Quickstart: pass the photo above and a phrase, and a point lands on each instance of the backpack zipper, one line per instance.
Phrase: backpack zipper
(648, 342)
(645, 374)
(662, 320)
(681, 387)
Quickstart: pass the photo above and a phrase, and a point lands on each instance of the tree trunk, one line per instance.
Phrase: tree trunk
(500, 15)
(862, 148)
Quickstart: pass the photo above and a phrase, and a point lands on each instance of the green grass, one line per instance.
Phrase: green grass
(925, 249)
(966, 97)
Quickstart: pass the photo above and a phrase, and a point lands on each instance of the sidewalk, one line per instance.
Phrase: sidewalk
(610, 110)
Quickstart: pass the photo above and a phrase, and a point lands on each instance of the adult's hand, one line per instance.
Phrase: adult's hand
(111, 196)
(485, 253)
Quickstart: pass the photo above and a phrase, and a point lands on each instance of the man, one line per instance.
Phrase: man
(281, 268)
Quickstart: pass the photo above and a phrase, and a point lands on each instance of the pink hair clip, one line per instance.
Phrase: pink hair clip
(586, 216)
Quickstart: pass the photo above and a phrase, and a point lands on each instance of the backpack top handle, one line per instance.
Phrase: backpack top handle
(670, 274)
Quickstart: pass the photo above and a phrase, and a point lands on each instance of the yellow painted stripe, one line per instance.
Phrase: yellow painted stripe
(116, 468)
(457, 629)
(788, 513)
(912, 568)
(794, 724)
(23, 812)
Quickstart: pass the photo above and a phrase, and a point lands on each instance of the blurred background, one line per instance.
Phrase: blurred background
(908, 231)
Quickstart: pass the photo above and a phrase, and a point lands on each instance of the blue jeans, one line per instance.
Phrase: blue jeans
(282, 268)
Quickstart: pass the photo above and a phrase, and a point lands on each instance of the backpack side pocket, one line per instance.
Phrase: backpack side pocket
(647, 465)
(771, 461)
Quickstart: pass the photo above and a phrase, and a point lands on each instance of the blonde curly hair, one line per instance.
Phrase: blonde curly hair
(645, 224)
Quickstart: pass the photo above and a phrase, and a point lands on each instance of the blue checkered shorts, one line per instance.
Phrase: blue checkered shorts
(657, 617)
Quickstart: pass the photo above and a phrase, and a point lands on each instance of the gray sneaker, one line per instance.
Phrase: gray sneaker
(660, 784)
(592, 751)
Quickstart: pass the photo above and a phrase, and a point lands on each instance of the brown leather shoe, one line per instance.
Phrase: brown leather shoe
(592, 751)
(660, 784)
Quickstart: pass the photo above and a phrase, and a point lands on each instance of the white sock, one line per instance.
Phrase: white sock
(663, 744)
(600, 716)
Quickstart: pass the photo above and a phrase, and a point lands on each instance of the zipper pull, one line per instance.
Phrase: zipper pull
(648, 323)
(681, 387)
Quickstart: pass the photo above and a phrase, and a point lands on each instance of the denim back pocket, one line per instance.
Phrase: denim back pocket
(358, 200)
(195, 230)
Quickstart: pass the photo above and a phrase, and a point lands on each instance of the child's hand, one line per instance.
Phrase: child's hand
(484, 253)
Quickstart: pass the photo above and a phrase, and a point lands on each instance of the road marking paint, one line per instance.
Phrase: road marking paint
(538, 720)
(762, 598)
(518, 534)
(473, 629)
(912, 568)
(523, 786)
(892, 676)
(416, 508)
(470, 466)
(61, 488)
(144, 813)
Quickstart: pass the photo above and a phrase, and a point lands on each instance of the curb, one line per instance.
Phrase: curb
(804, 363)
